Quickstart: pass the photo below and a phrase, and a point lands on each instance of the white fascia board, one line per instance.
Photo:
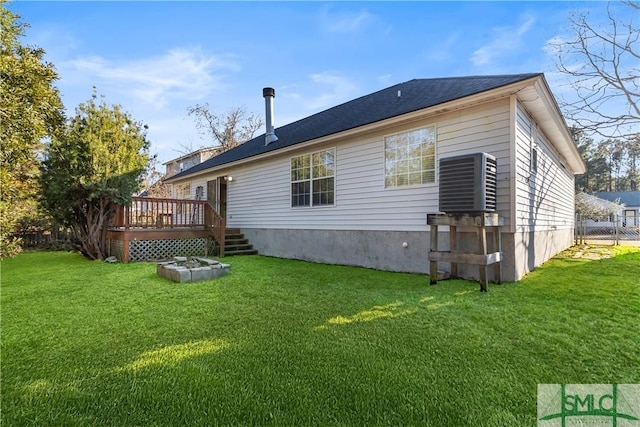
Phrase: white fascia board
(546, 113)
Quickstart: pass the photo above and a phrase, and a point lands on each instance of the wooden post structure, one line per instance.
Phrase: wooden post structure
(433, 264)
(481, 258)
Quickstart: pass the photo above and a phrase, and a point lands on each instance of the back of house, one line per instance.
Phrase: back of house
(353, 184)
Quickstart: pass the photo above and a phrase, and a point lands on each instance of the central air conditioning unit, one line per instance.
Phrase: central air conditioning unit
(468, 183)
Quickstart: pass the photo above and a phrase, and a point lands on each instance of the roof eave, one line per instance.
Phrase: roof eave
(554, 125)
(193, 153)
(540, 102)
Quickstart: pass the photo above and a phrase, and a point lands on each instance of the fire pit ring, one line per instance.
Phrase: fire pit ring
(191, 269)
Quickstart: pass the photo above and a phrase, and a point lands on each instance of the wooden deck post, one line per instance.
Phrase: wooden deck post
(125, 251)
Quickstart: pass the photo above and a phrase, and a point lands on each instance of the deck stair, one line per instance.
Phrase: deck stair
(236, 244)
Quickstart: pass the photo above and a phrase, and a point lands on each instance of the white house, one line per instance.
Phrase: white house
(351, 184)
(184, 162)
(630, 213)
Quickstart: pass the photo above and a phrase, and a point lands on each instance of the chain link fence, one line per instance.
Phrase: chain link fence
(614, 230)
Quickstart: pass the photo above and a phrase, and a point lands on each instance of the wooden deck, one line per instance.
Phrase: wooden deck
(149, 219)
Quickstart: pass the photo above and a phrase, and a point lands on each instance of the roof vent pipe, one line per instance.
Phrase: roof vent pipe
(269, 93)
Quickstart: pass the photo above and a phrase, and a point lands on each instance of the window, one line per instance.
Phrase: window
(534, 159)
(312, 179)
(183, 191)
(199, 192)
(410, 158)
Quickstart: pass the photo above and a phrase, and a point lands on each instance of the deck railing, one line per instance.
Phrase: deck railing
(155, 214)
(216, 225)
(145, 212)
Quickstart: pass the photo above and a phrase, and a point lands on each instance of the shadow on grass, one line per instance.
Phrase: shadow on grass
(445, 294)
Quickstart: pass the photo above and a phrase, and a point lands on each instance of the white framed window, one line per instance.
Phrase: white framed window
(313, 179)
(183, 191)
(533, 150)
(410, 157)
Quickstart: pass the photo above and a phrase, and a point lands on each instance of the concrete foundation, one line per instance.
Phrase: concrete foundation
(385, 250)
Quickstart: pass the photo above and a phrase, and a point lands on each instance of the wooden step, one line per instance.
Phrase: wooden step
(240, 252)
(231, 242)
(236, 244)
(237, 247)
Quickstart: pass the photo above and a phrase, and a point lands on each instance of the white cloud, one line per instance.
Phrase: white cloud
(385, 79)
(444, 50)
(553, 46)
(345, 23)
(333, 89)
(505, 40)
(179, 73)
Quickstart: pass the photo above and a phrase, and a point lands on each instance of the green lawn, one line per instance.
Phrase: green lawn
(281, 342)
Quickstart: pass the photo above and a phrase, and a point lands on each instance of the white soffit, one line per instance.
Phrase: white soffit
(538, 101)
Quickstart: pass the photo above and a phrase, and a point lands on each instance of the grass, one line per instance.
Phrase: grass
(281, 342)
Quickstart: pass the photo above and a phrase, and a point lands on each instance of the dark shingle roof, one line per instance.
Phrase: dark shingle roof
(415, 95)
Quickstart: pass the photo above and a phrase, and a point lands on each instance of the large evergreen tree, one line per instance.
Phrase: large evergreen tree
(96, 164)
(30, 110)
(633, 162)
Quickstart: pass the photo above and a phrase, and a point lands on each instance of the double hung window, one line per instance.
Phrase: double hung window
(313, 179)
(410, 157)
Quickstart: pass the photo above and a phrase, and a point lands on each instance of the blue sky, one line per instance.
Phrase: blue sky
(158, 58)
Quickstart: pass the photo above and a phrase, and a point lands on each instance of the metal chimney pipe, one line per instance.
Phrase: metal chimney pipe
(269, 93)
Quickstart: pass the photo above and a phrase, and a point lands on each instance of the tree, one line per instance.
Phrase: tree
(598, 174)
(589, 206)
(227, 131)
(633, 162)
(602, 63)
(30, 110)
(153, 183)
(612, 150)
(93, 166)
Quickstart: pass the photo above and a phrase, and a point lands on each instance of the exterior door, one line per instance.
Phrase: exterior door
(217, 195)
(630, 219)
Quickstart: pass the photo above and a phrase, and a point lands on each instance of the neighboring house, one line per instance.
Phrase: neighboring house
(630, 213)
(352, 184)
(185, 162)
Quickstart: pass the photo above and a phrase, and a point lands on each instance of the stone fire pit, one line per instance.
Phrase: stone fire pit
(192, 269)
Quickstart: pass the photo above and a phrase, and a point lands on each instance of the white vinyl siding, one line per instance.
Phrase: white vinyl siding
(544, 186)
(259, 196)
(483, 128)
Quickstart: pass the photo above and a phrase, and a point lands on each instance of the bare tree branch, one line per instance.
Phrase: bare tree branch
(229, 130)
(603, 64)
